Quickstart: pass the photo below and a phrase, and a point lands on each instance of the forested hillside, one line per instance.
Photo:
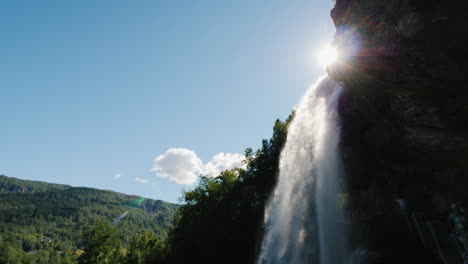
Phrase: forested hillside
(14, 185)
(40, 221)
(219, 222)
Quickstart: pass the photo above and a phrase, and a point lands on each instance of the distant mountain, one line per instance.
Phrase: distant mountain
(14, 185)
(38, 215)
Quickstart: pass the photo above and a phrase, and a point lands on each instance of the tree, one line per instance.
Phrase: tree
(9, 254)
(145, 248)
(101, 245)
(221, 220)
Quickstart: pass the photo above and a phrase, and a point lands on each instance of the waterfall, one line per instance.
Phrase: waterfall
(303, 220)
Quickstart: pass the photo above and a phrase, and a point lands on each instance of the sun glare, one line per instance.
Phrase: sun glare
(326, 56)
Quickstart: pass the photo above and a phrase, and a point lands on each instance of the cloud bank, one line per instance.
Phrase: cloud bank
(183, 165)
(179, 165)
(223, 161)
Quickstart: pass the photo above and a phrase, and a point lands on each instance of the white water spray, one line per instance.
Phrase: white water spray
(304, 222)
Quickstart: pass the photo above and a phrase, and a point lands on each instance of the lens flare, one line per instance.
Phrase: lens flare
(137, 203)
(326, 56)
(120, 218)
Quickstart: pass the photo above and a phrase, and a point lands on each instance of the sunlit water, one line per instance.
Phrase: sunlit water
(304, 223)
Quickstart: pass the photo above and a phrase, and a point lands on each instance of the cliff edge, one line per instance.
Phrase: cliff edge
(404, 111)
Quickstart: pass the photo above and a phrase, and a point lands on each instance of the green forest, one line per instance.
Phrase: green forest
(219, 221)
(46, 223)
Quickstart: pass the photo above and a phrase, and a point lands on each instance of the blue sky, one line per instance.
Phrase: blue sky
(92, 89)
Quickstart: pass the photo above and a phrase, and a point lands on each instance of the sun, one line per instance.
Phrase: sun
(326, 56)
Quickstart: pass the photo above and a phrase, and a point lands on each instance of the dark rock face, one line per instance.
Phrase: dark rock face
(405, 107)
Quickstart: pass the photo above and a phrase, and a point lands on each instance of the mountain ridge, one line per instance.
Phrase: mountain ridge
(37, 215)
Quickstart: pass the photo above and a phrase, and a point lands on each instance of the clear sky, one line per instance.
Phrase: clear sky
(93, 91)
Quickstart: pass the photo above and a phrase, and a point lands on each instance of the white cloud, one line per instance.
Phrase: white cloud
(223, 161)
(117, 176)
(141, 180)
(183, 165)
(179, 165)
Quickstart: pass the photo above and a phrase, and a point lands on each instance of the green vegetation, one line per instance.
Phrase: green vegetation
(102, 244)
(41, 221)
(219, 222)
(13, 185)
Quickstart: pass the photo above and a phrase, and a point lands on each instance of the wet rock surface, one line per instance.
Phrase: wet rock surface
(404, 109)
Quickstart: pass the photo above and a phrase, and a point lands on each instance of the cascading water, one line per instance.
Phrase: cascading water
(304, 222)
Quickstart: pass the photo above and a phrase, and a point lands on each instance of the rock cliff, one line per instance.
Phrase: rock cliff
(404, 111)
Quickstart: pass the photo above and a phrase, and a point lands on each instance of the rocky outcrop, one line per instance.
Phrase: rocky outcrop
(404, 111)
